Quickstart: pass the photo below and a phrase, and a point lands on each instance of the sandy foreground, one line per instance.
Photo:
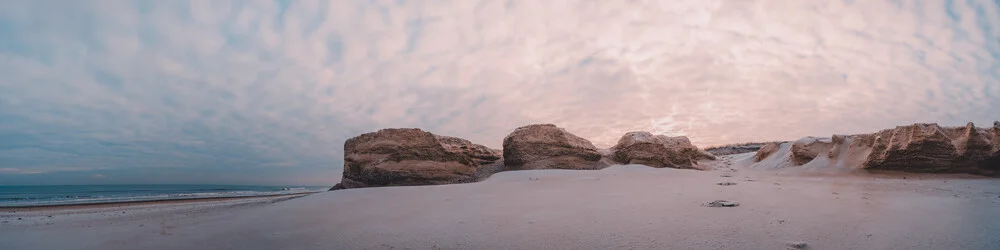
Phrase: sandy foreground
(622, 207)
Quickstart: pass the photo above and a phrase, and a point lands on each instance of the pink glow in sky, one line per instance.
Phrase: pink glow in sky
(272, 87)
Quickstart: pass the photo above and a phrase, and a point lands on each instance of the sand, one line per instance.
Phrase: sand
(622, 207)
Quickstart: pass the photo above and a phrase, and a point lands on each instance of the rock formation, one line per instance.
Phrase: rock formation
(479, 153)
(545, 146)
(738, 148)
(407, 157)
(927, 147)
(921, 147)
(766, 151)
(657, 151)
(806, 149)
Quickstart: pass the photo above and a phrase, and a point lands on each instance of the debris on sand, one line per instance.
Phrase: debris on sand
(726, 175)
(722, 203)
(725, 183)
(798, 245)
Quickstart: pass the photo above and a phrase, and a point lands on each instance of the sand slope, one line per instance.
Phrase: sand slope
(622, 207)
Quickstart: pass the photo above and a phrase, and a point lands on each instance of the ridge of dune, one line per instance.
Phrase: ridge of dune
(920, 147)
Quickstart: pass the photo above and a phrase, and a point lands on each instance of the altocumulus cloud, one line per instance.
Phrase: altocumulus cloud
(267, 91)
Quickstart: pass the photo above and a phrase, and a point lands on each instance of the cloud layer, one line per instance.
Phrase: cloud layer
(267, 91)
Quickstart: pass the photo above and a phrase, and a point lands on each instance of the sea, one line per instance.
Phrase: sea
(23, 196)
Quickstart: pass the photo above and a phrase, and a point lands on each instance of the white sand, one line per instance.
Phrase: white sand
(623, 207)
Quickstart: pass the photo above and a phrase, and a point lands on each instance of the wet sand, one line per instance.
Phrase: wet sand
(126, 204)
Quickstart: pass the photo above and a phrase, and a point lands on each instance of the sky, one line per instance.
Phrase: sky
(266, 92)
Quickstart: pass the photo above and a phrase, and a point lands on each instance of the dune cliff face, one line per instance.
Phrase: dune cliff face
(921, 147)
(409, 157)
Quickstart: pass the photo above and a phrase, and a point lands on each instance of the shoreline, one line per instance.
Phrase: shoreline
(121, 204)
(625, 207)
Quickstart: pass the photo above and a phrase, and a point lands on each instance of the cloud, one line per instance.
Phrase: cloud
(97, 176)
(271, 89)
(19, 171)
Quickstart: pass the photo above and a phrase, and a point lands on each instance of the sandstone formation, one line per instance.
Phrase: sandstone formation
(479, 153)
(404, 157)
(806, 149)
(738, 148)
(766, 151)
(921, 147)
(927, 147)
(407, 157)
(545, 146)
(657, 151)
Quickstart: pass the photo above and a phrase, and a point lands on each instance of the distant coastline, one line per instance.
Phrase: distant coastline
(79, 195)
(31, 208)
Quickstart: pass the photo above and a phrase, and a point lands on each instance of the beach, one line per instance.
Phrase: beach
(621, 207)
(103, 226)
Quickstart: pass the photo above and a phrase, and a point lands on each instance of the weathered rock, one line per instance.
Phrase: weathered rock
(339, 186)
(545, 146)
(766, 151)
(806, 149)
(927, 147)
(973, 144)
(481, 154)
(921, 147)
(739, 148)
(486, 170)
(924, 147)
(409, 157)
(657, 151)
(798, 245)
(722, 203)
